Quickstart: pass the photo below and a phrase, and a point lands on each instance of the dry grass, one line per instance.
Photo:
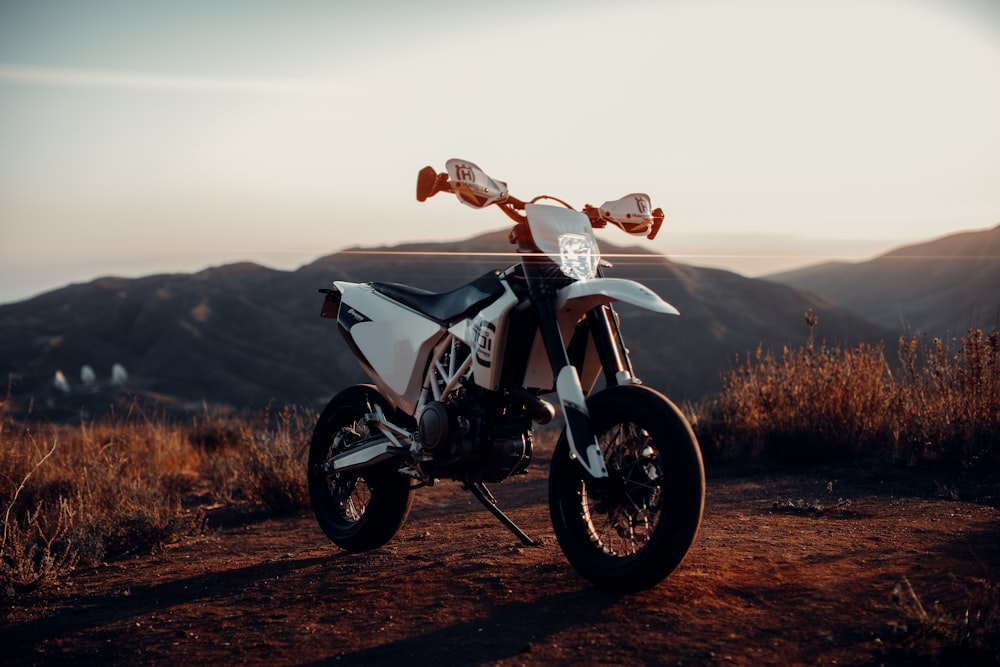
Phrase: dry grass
(274, 466)
(940, 402)
(257, 458)
(128, 485)
(960, 629)
(89, 493)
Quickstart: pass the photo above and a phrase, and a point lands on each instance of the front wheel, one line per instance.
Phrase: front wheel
(630, 531)
(358, 510)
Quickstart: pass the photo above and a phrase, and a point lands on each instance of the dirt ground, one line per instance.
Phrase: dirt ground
(811, 567)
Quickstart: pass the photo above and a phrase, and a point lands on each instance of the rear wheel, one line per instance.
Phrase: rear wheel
(629, 532)
(362, 509)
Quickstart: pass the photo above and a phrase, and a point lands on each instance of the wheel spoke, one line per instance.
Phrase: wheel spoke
(350, 495)
(625, 518)
(350, 511)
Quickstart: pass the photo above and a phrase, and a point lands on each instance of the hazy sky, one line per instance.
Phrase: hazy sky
(141, 137)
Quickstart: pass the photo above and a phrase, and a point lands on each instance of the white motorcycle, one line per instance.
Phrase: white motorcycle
(460, 377)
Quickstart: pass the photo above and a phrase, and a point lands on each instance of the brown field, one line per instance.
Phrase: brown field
(820, 566)
(142, 540)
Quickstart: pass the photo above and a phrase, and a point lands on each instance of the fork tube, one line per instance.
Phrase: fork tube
(610, 349)
(548, 325)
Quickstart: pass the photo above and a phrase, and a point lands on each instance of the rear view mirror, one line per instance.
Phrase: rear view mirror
(426, 183)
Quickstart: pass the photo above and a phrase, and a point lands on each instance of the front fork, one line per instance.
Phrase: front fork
(583, 444)
(602, 323)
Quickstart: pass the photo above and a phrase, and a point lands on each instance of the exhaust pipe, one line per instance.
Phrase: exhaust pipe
(540, 410)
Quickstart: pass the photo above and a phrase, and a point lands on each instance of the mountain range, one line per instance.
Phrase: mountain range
(243, 335)
(939, 288)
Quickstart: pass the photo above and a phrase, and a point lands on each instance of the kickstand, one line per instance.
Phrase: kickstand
(480, 491)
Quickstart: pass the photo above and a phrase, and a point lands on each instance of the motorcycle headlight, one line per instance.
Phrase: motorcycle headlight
(579, 256)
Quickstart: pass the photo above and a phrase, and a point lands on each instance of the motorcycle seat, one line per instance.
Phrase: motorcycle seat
(450, 306)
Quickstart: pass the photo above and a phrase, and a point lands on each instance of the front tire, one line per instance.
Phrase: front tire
(627, 533)
(359, 510)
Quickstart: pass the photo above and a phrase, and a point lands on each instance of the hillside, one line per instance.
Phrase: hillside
(941, 287)
(244, 335)
(238, 334)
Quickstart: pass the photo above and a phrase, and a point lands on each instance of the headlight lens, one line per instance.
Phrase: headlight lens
(579, 256)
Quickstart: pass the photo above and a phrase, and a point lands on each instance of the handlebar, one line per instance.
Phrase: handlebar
(479, 190)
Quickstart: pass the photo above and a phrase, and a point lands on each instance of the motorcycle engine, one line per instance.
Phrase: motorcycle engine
(483, 440)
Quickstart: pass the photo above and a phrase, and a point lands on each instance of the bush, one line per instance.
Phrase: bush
(940, 402)
(275, 462)
(36, 550)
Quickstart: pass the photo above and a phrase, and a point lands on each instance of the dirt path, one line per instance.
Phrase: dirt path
(791, 567)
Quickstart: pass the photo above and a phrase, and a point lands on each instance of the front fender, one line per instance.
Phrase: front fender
(579, 297)
(571, 302)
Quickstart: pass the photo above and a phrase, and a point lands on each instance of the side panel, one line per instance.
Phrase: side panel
(486, 336)
(395, 340)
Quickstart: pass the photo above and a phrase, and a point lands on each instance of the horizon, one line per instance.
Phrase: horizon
(694, 251)
(141, 140)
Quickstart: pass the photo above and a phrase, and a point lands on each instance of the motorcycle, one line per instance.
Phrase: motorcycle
(460, 378)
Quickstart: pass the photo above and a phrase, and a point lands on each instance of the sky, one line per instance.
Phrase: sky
(140, 137)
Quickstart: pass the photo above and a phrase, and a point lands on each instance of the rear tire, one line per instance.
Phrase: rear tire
(362, 509)
(629, 532)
